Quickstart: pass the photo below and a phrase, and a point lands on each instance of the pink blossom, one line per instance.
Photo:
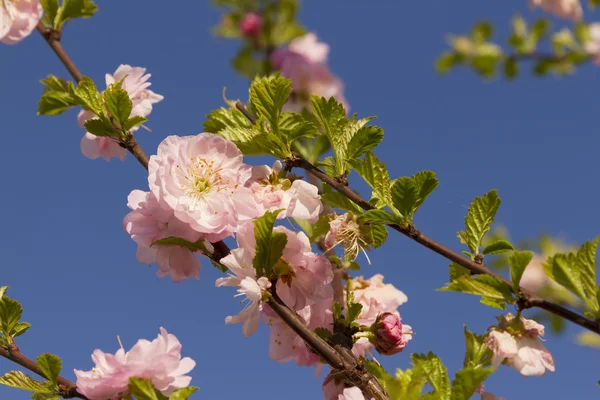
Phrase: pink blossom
(159, 360)
(592, 46)
(569, 9)
(304, 63)
(519, 346)
(390, 336)
(135, 82)
(345, 231)
(286, 345)
(535, 278)
(251, 25)
(376, 298)
(18, 18)
(335, 390)
(273, 191)
(147, 223)
(201, 178)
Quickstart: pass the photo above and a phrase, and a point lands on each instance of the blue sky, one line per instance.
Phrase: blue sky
(67, 259)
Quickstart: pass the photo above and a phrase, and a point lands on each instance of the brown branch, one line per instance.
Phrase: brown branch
(68, 388)
(531, 299)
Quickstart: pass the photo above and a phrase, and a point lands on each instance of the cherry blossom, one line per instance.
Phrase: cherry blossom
(303, 61)
(159, 360)
(345, 231)
(201, 178)
(570, 9)
(592, 46)
(18, 19)
(516, 342)
(391, 336)
(147, 223)
(251, 25)
(273, 190)
(135, 82)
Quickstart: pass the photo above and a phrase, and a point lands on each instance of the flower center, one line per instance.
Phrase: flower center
(202, 178)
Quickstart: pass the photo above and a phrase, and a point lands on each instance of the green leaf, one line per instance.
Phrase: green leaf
(58, 96)
(379, 234)
(447, 60)
(246, 64)
(365, 139)
(337, 200)
(10, 314)
(482, 32)
(457, 270)
(18, 380)
(175, 241)
(588, 339)
(354, 310)
(3, 290)
(479, 219)
(499, 246)
(183, 393)
(72, 9)
(493, 291)
(268, 95)
(477, 353)
(51, 365)
(320, 229)
(269, 244)
(466, 382)
(331, 115)
(337, 311)
(563, 270)
(118, 103)
(143, 389)
(511, 68)
(87, 96)
(101, 127)
(133, 122)
(380, 217)
(21, 328)
(232, 125)
(518, 261)
(409, 193)
(50, 10)
(375, 173)
(435, 372)
(586, 261)
(405, 385)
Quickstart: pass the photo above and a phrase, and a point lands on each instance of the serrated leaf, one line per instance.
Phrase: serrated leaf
(405, 385)
(563, 270)
(133, 122)
(268, 95)
(72, 9)
(10, 314)
(337, 200)
(479, 219)
(51, 365)
(331, 115)
(380, 217)
(498, 247)
(457, 270)
(435, 372)
(320, 229)
(269, 244)
(586, 261)
(100, 127)
(87, 96)
(143, 389)
(365, 139)
(467, 380)
(18, 380)
(20, 329)
(337, 311)
(379, 234)
(57, 96)
(477, 352)
(493, 291)
(518, 261)
(354, 310)
(375, 173)
(426, 182)
(232, 125)
(323, 333)
(183, 393)
(404, 196)
(50, 10)
(118, 103)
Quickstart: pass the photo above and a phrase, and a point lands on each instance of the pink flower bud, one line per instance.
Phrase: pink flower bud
(390, 337)
(251, 25)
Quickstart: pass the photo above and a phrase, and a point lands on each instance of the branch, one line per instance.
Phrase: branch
(68, 388)
(529, 299)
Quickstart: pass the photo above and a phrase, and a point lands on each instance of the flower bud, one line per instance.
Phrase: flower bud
(251, 25)
(390, 337)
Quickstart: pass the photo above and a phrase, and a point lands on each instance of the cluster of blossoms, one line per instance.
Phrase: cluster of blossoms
(516, 343)
(304, 62)
(159, 361)
(18, 18)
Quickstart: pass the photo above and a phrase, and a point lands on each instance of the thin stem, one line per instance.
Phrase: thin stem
(69, 390)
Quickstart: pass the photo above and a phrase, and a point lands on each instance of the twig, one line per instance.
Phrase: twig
(68, 388)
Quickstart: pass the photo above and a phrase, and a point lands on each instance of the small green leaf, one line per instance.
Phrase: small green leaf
(51, 365)
(354, 310)
(323, 333)
(499, 246)
(3, 290)
(518, 261)
(380, 217)
(379, 234)
(493, 291)
(447, 60)
(482, 32)
(10, 314)
(118, 103)
(477, 352)
(133, 122)
(58, 96)
(511, 68)
(143, 389)
(50, 10)
(365, 139)
(21, 328)
(409, 193)
(375, 173)
(183, 393)
(18, 380)
(467, 380)
(87, 96)
(456, 271)
(435, 372)
(337, 311)
(479, 219)
(72, 9)
(268, 95)
(269, 244)
(586, 261)
(331, 115)
(101, 127)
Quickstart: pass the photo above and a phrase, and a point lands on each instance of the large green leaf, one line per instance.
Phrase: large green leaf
(18, 380)
(331, 115)
(50, 365)
(492, 290)
(10, 314)
(435, 372)
(365, 139)
(268, 95)
(467, 380)
(58, 96)
(479, 219)
(118, 103)
(375, 173)
(87, 96)
(477, 352)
